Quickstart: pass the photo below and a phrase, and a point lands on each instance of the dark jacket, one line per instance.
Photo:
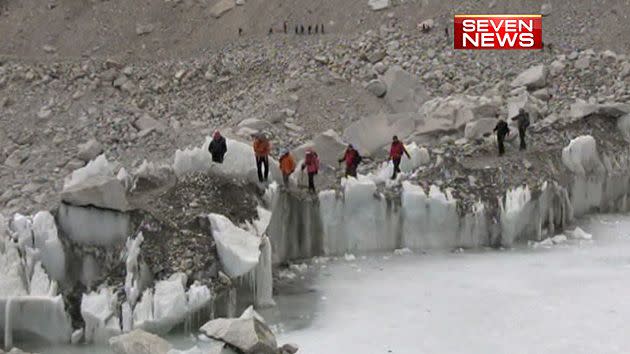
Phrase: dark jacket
(217, 149)
(522, 120)
(502, 128)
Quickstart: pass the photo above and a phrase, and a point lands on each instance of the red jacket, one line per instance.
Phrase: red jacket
(397, 150)
(350, 157)
(311, 162)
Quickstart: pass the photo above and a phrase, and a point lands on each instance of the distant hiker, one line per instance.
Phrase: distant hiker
(297, 29)
(270, 30)
(395, 154)
(446, 32)
(284, 27)
(311, 164)
(287, 166)
(522, 120)
(502, 131)
(309, 29)
(352, 159)
(301, 29)
(217, 147)
(322, 28)
(240, 31)
(262, 147)
(316, 28)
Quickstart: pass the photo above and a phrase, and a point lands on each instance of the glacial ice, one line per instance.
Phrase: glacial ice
(94, 226)
(97, 167)
(170, 303)
(581, 156)
(239, 250)
(98, 310)
(132, 287)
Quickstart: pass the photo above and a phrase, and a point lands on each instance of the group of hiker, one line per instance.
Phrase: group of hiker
(503, 130)
(299, 29)
(262, 149)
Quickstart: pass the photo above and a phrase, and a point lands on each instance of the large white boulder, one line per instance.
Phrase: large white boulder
(95, 184)
(581, 156)
(405, 92)
(139, 342)
(249, 335)
(378, 5)
(371, 133)
(532, 78)
(454, 112)
(623, 124)
(479, 128)
(328, 145)
(239, 250)
(221, 7)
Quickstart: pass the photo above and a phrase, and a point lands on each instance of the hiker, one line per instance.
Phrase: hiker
(270, 30)
(301, 29)
(395, 154)
(311, 164)
(217, 147)
(322, 27)
(522, 121)
(287, 166)
(296, 29)
(309, 29)
(502, 131)
(284, 26)
(352, 159)
(316, 29)
(262, 147)
(240, 31)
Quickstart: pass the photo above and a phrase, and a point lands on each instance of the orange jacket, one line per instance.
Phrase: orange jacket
(261, 147)
(287, 164)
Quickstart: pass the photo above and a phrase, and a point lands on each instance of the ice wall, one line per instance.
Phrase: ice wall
(363, 218)
(93, 226)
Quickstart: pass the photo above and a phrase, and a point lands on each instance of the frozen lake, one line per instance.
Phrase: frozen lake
(570, 298)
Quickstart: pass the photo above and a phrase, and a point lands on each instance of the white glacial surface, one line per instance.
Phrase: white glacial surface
(571, 298)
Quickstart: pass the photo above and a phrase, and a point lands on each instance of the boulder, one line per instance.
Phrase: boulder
(546, 9)
(148, 123)
(377, 5)
(100, 191)
(532, 78)
(479, 128)
(289, 348)
(556, 68)
(581, 109)
(377, 88)
(221, 7)
(89, 150)
(139, 342)
(581, 156)
(405, 93)
(623, 124)
(625, 70)
(250, 336)
(255, 124)
(454, 112)
(371, 133)
(328, 145)
(143, 29)
(526, 101)
(583, 62)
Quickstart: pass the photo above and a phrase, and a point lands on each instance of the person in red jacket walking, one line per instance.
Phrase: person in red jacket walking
(311, 164)
(395, 154)
(352, 159)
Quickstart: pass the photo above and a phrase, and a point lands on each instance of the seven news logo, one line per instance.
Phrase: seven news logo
(498, 32)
